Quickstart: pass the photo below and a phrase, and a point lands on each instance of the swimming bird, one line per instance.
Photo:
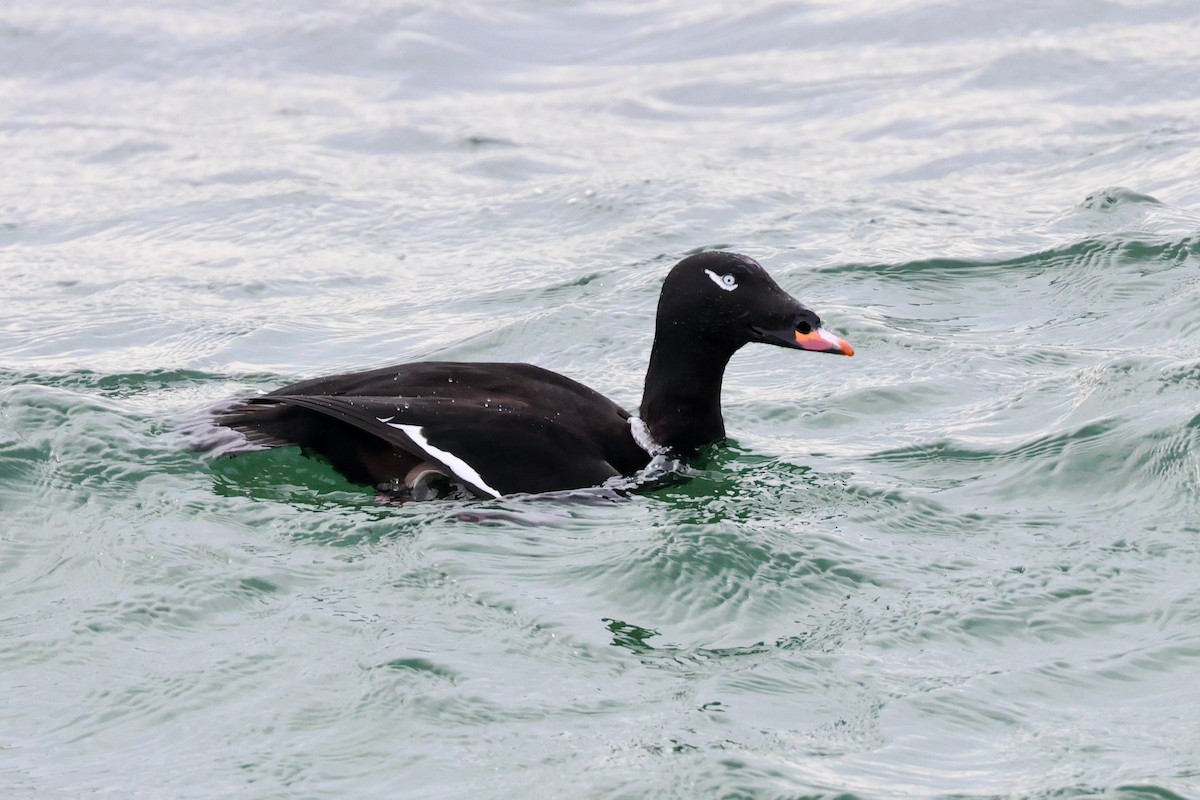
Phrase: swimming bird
(427, 429)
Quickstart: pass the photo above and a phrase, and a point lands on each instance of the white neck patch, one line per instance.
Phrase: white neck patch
(641, 435)
(727, 282)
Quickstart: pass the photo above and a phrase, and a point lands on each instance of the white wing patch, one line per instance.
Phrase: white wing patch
(727, 282)
(461, 469)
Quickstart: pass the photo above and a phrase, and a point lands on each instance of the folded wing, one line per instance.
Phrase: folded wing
(489, 447)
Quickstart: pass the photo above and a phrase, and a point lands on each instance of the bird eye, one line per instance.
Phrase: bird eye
(728, 282)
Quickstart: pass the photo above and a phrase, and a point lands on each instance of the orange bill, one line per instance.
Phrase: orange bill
(822, 341)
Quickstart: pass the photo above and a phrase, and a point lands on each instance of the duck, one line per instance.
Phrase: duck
(437, 429)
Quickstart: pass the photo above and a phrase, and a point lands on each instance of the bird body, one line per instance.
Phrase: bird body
(422, 429)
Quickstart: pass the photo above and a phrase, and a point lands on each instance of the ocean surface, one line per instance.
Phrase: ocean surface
(963, 564)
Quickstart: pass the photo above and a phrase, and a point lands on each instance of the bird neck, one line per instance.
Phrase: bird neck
(681, 401)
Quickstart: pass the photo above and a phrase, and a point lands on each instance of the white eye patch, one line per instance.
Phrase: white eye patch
(726, 282)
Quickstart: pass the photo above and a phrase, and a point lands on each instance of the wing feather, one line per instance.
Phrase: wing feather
(492, 449)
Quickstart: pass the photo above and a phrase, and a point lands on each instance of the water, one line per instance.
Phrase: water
(961, 564)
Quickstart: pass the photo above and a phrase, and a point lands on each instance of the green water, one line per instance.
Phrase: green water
(960, 565)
